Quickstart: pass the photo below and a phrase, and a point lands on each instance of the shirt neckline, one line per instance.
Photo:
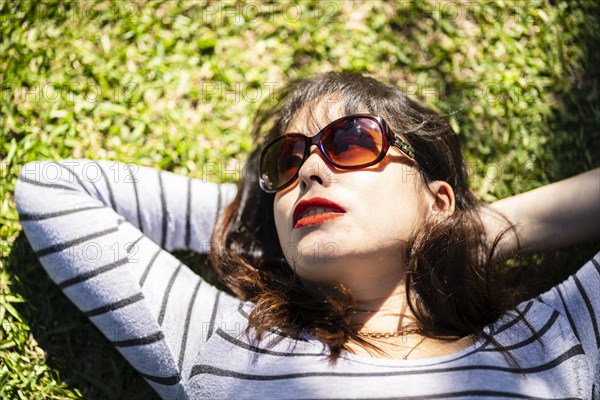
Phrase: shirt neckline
(428, 361)
(415, 362)
(432, 361)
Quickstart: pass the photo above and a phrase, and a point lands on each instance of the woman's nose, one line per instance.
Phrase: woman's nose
(314, 170)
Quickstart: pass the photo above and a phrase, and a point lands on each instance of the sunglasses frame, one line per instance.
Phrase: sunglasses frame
(389, 139)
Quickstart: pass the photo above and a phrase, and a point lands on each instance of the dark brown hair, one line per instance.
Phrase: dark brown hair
(450, 266)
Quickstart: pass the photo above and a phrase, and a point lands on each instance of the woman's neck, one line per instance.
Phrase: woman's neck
(380, 306)
(385, 314)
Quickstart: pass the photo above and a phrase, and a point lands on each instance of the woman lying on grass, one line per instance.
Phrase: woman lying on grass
(358, 264)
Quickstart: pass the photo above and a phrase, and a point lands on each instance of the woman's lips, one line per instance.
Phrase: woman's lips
(315, 210)
(317, 218)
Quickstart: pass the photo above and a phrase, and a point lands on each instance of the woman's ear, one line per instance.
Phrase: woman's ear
(443, 198)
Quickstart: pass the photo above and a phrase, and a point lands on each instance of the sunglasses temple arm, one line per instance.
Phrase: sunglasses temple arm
(404, 147)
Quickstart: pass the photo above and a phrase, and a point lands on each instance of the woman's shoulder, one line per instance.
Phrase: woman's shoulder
(569, 312)
(581, 290)
(583, 284)
(532, 313)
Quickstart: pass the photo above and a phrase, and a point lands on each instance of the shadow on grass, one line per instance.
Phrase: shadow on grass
(574, 147)
(75, 349)
(575, 142)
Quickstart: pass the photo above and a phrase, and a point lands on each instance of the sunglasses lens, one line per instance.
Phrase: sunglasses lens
(281, 161)
(353, 142)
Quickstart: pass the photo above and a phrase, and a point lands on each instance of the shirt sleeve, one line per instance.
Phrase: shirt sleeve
(103, 231)
(578, 300)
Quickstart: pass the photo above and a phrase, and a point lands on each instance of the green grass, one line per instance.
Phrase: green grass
(174, 85)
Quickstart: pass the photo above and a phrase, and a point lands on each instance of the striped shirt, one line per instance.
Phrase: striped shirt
(104, 232)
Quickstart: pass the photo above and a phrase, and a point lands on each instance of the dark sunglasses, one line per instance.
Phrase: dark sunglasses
(352, 142)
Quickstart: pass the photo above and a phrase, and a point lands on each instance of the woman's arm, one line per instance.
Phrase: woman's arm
(554, 216)
(102, 230)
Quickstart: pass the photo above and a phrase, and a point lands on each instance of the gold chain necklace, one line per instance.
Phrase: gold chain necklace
(378, 335)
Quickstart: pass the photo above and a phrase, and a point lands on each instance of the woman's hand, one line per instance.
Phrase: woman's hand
(554, 216)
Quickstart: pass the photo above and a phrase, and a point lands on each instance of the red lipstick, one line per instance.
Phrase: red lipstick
(329, 211)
